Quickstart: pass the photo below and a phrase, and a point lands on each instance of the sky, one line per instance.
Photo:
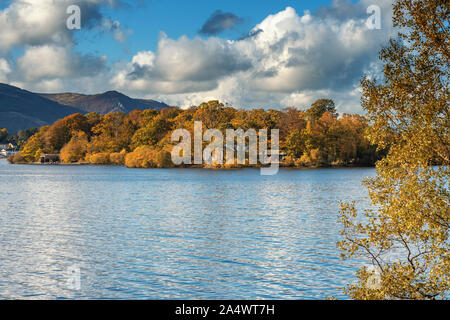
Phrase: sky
(249, 54)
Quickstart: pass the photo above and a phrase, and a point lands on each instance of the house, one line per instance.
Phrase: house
(8, 146)
(50, 158)
(8, 149)
(7, 153)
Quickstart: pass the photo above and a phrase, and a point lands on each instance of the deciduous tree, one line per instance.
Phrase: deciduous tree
(406, 234)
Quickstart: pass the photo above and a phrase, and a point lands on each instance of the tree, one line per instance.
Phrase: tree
(62, 130)
(295, 145)
(96, 138)
(321, 106)
(32, 150)
(3, 135)
(406, 235)
(75, 150)
(151, 134)
(113, 133)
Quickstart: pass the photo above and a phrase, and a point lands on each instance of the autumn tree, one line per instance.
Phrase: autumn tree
(406, 234)
(151, 134)
(212, 114)
(113, 133)
(289, 120)
(107, 139)
(62, 130)
(145, 117)
(76, 149)
(319, 107)
(32, 150)
(295, 145)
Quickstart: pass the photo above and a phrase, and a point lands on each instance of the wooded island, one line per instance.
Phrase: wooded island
(316, 137)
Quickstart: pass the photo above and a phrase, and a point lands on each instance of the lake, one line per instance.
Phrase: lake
(99, 232)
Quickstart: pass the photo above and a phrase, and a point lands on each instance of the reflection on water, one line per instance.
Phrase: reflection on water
(173, 234)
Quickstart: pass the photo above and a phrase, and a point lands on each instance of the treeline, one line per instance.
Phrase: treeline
(16, 139)
(141, 139)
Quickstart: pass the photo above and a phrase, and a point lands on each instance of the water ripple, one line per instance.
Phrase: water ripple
(173, 234)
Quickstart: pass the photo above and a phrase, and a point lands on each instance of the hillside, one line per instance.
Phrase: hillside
(111, 101)
(21, 109)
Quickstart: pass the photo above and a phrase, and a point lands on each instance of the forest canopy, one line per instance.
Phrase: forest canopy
(141, 139)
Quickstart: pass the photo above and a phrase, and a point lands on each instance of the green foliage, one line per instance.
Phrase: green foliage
(17, 139)
(151, 134)
(321, 106)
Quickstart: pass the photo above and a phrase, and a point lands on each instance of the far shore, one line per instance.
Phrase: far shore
(195, 166)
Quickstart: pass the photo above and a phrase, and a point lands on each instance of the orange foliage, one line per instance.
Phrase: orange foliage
(315, 137)
(147, 157)
(98, 158)
(118, 158)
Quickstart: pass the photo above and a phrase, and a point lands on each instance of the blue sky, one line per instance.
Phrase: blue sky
(177, 18)
(267, 54)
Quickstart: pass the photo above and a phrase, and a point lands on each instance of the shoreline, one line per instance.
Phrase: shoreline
(197, 167)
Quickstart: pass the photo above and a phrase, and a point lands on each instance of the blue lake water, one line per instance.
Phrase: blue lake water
(173, 234)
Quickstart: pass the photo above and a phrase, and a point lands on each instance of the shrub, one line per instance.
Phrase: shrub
(98, 158)
(118, 158)
(16, 158)
(147, 157)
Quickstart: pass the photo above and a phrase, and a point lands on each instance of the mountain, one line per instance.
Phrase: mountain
(21, 109)
(111, 101)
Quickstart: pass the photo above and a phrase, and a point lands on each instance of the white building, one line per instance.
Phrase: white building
(7, 149)
(8, 146)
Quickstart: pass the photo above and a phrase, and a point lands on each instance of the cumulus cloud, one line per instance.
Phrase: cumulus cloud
(38, 27)
(287, 59)
(305, 52)
(37, 22)
(183, 65)
(39, 62)
(220, 21)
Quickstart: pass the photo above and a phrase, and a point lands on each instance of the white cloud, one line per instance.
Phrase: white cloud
(38, 22)
(49, 59)
(4, 70)
(32, 22)
(50, 62)
(182, 66)
(44, 61)
(288, 59)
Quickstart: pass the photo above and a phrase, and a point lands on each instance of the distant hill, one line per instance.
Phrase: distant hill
(21, 109)
(111, 101)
